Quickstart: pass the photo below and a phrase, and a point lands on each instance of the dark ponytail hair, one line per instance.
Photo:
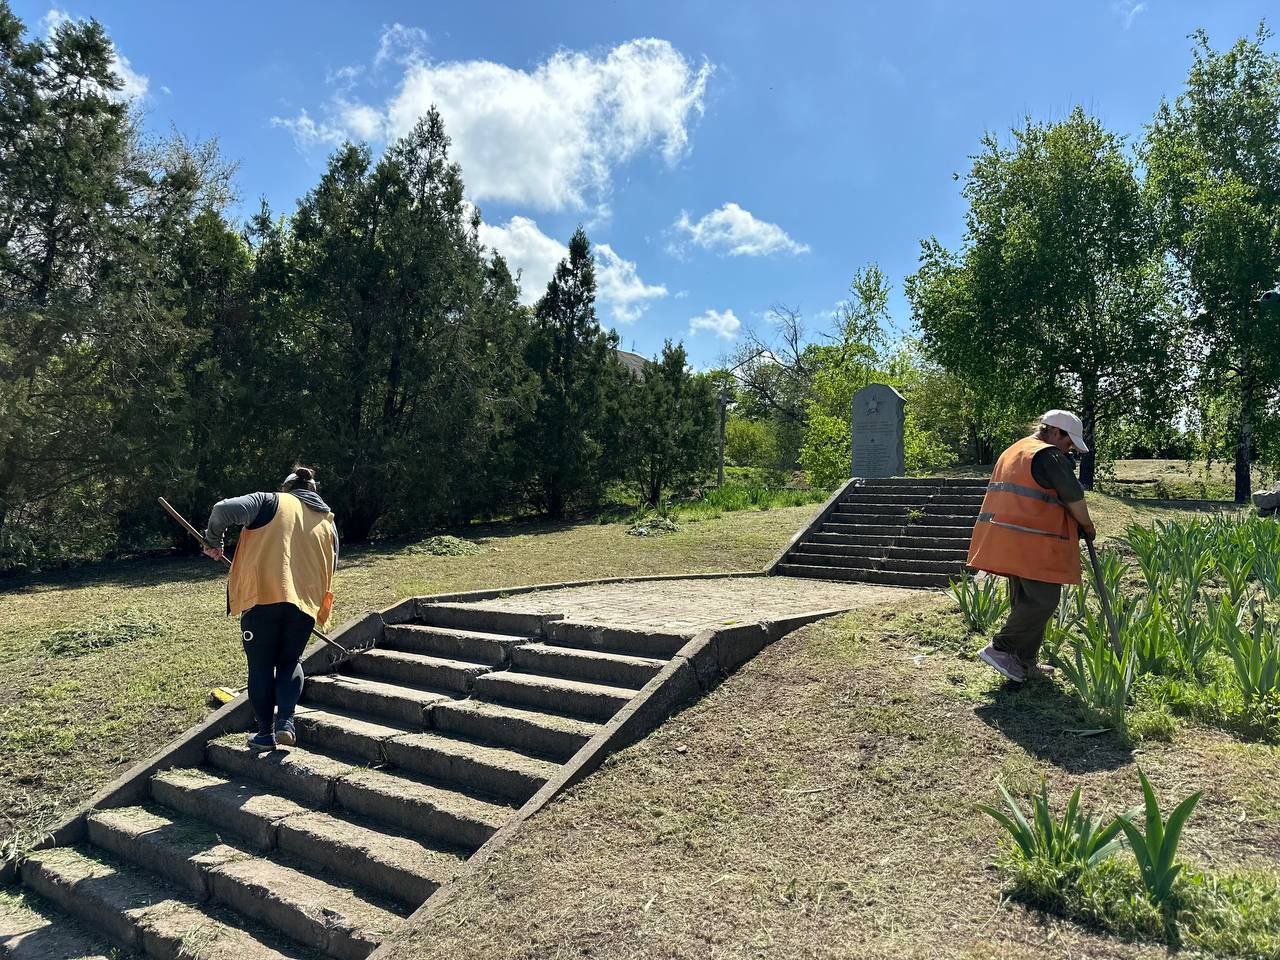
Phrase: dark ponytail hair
(304, 478)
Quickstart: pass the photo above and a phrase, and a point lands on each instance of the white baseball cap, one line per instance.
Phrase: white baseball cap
(1067, 421)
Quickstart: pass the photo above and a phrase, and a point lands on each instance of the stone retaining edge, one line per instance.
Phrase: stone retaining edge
(819, 519)
(708, 658)
(187, 749)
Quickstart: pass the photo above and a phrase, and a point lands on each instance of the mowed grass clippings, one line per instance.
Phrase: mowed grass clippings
(820, 803)
(106, 664)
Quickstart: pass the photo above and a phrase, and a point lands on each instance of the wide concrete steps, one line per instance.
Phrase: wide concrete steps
(409, 758)
(910, 532)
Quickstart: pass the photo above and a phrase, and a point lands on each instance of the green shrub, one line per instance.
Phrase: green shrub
(984, 601)
(1073, 840)
(1156, 847)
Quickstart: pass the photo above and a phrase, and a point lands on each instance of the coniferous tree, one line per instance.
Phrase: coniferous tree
(671, 426)
(580, 377)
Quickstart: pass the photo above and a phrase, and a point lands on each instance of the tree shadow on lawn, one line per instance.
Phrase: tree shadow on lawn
(1049, 725)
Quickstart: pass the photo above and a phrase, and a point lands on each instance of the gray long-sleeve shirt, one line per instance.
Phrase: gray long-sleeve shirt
(255, 510)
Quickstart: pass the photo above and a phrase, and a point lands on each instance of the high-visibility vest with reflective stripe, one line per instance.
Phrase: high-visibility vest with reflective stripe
(290, 560)
(1023, 529)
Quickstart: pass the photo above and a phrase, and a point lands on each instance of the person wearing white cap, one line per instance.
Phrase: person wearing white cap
(1031, 517)
(280, 586)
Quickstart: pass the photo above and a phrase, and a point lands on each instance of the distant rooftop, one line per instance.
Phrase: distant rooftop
(632, 361)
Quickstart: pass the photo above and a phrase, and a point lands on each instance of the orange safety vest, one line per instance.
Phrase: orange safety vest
(290, 560)
(1023, 529)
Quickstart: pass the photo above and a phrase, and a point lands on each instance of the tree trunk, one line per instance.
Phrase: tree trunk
(1244, 442)
(1089, 418)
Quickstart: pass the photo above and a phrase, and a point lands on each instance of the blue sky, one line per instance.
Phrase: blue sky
(723, 157)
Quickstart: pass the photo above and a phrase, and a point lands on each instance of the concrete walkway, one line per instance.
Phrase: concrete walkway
(688, 606)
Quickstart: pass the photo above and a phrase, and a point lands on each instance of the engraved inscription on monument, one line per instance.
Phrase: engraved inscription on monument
(878, 417)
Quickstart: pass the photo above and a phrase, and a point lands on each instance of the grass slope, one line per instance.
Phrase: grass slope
(820, 803)
(105, 665)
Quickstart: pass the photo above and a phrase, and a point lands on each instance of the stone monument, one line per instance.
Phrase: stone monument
(879, 416)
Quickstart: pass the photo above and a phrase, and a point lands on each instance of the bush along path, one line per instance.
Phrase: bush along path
(412, 754)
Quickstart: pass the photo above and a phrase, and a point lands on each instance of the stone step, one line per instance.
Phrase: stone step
(863, 529)
(573, 698)
(461, 616)
(652, 644)
(881, 552)
(615, 669)
(424, 810)
(347, 734)
(468, 767)
(275, 889)
(885, 577)
(387, 862)
(944, 482)
(471, 767)
(493, 649)
(528, 731)
(31, 929)
(140, 912)
(299, 774)
(416, 670)
(803, 557)
(955, 539)
(928, 553)
(390, 701)
(914, 499)
(950, 568)
(942, 515)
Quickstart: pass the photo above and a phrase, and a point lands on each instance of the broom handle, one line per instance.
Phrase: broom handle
(1106, 601)
(168, 508)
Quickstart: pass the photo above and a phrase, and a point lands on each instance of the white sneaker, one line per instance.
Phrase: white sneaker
(1005, 664)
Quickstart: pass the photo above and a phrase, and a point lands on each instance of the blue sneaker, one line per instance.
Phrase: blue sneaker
(261, 741)
(286, 736)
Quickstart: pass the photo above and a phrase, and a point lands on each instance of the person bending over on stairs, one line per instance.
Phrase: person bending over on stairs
(1031, 517)
(280, 585)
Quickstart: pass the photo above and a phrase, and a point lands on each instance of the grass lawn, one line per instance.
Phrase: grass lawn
(820, 804)
(106, 664)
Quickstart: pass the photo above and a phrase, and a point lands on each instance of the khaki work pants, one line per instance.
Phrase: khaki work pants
(1032, 605)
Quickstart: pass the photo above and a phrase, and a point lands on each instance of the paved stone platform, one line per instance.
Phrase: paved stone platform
(688, 606)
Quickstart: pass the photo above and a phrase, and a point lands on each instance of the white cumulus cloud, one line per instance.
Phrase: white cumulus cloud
(737, 232)
(723, 324)
(528, 251)
(620, 286)
(620, 289)
(549, 137)
(134, 85)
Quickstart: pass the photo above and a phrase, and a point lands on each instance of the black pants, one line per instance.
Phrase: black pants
(275, 634)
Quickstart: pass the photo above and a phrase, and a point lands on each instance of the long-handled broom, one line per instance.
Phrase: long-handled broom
(168, 508)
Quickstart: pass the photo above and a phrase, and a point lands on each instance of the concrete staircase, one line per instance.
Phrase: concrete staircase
(410, 757)
(902, 531)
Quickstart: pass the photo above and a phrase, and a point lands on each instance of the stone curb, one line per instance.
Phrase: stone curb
(187, 750)
(816, 523)
(499, 592)
(702, 663)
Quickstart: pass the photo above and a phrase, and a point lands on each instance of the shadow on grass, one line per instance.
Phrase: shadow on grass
(1049, 725)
